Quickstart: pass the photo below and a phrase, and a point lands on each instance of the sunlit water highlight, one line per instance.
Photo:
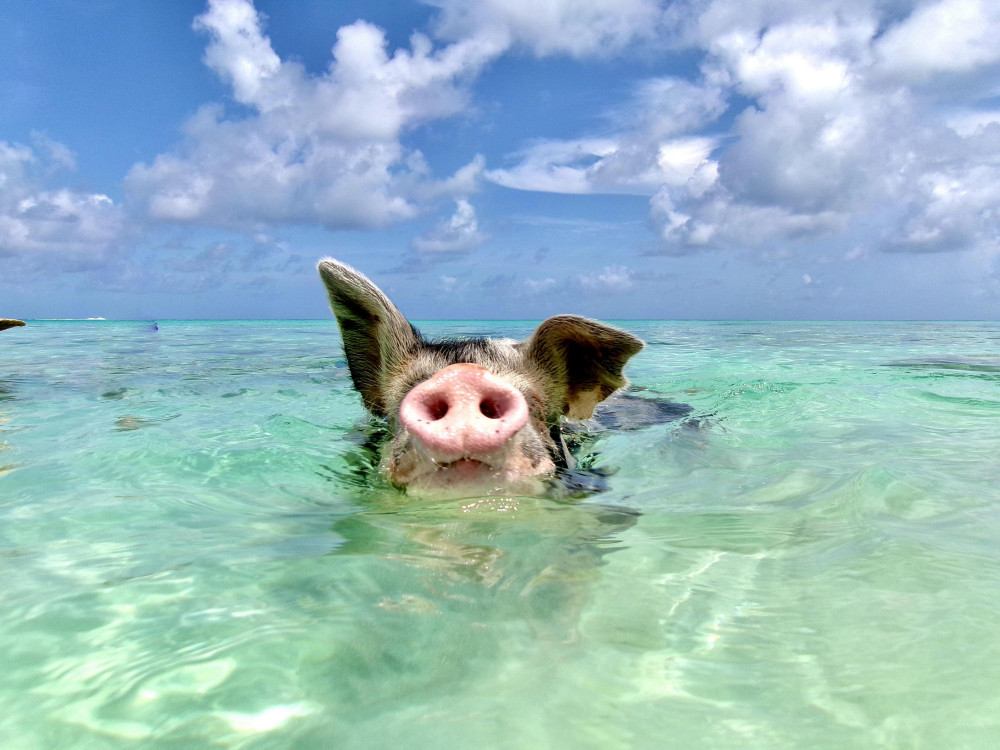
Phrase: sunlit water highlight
(191, 554)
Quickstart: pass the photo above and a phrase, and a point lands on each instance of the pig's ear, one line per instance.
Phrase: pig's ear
(377, 338)
(583, 360)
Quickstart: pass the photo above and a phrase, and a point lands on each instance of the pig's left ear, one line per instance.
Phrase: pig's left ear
(582, 360)
(377, 338)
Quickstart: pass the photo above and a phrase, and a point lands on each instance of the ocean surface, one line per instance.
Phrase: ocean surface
(193, 551)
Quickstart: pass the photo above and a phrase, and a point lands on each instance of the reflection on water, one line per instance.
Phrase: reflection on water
(194, 553)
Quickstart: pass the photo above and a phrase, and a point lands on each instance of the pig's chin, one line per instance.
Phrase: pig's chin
(469, 477)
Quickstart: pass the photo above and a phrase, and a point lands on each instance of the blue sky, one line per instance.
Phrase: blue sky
(837, 159)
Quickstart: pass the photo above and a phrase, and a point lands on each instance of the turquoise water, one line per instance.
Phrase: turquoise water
(191, 554)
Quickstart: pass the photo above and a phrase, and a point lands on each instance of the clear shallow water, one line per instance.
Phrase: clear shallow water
(191, 557)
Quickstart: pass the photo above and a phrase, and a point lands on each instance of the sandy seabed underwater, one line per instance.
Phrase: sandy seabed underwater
(193, 552)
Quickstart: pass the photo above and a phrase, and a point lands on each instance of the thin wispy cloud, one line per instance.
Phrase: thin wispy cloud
(610, 279)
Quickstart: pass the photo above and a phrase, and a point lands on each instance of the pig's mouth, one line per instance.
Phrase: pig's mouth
(472, 476)
(464, 465)
(466, 471)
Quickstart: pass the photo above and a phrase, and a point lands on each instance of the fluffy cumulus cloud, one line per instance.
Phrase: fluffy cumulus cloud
(952, 36)
(458, 235)
(803, 121)
(330, 148)
(323, 149)
(38, 221)
(956, 207)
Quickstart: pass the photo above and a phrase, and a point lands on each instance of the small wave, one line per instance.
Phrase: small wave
(960, 401)
(949, 363)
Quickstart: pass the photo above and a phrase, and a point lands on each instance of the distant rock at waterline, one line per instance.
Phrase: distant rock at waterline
(6, 323)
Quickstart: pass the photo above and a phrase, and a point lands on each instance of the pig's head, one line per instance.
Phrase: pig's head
(478, 416)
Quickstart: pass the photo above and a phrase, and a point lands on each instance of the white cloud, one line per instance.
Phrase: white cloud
(954, 209)
(968, 123)
(57, 156)
(241, 54)
(608, 279)
(950, 36)
(842, 130)
(605, 165)
(365, 93)
(817, 140)
(580, 28)
(813, 149)
(77, 226)
(540, 286)
(832, 142)
(322, 149)
(648, 150)
(665, 106)
(715, 219)
(457, 235)
(555, 166)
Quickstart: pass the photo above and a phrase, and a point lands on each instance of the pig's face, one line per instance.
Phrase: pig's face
(472, 417)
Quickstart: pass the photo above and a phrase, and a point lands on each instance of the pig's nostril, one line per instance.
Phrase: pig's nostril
(495, 406)
(488, 407)
(436, 409)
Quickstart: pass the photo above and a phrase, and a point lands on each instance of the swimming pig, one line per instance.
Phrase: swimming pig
(474, 416)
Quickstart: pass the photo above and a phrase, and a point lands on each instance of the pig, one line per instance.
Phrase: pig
(472, 417)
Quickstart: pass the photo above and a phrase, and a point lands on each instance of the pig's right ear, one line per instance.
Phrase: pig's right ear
(377, 338)
(581, 360)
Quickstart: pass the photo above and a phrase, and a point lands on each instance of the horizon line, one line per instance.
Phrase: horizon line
(516, 320)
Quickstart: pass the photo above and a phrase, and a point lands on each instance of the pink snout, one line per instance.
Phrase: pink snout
(463, 411)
